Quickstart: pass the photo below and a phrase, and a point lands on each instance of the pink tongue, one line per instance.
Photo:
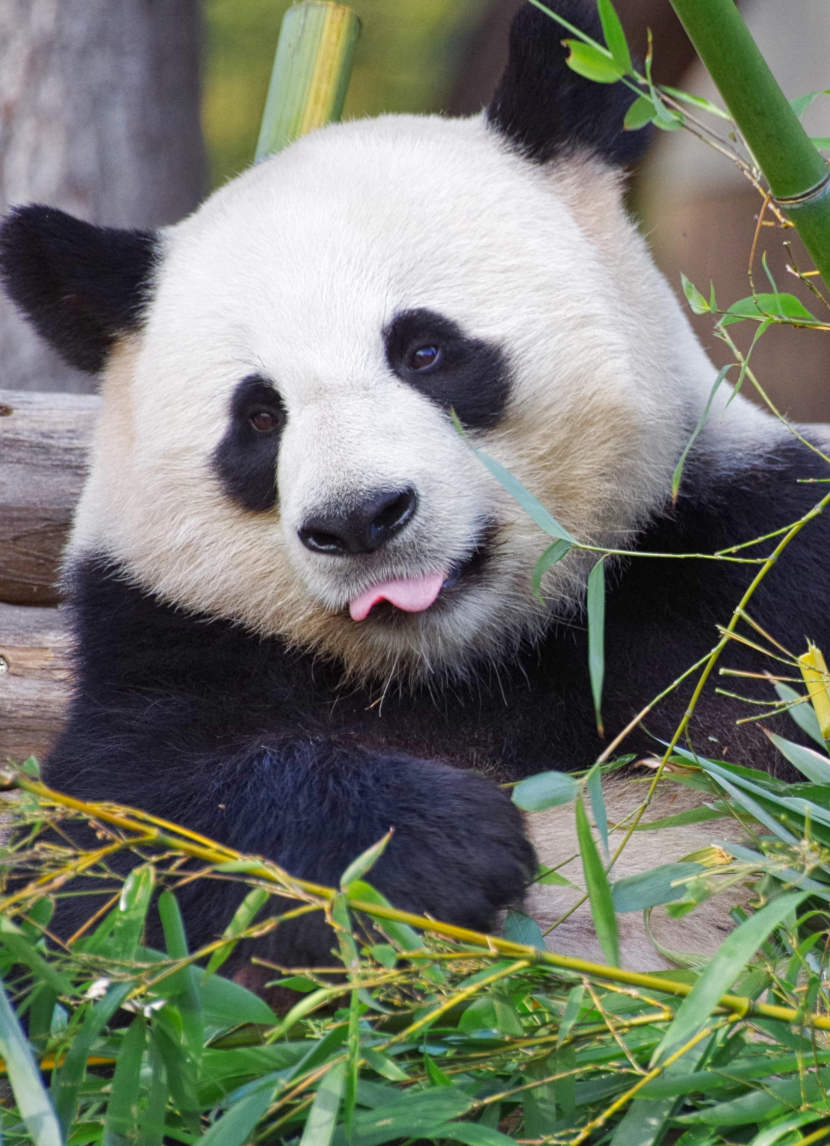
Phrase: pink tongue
(412, 594)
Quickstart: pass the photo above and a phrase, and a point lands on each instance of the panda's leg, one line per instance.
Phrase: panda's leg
(458, 851)
(554, 836)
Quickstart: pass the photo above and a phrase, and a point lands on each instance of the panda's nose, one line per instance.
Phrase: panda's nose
(362, 527)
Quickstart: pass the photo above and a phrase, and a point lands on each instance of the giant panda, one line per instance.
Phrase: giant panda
(302, 607)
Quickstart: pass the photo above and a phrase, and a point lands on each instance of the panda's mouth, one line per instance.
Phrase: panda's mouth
(417, 594)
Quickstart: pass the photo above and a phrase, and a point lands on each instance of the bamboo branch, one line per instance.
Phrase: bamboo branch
(798, 176)
(147, 829)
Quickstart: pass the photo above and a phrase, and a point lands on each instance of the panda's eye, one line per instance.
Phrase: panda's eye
(266, 421)
(422, 357)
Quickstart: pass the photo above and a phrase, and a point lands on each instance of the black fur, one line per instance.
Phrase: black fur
(245, 461)
(80, 285)
(198, 721)
(470, 376)
(544, 108)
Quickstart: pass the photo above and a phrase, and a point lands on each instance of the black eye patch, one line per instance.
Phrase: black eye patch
(433, 354)
(245, 461)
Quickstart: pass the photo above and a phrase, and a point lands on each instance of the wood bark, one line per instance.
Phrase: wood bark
(34, 679)
(99, 115)
(44, 440)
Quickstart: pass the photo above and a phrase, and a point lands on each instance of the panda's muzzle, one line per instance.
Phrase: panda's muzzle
(359, 527)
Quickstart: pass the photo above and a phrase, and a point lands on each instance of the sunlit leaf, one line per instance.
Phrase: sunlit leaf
(364, 863)
(814, 765)
(614, 35)
(779, 305)
(592, 63)
(693, 296)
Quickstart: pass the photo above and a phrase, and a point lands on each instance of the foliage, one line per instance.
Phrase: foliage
(417, 1030)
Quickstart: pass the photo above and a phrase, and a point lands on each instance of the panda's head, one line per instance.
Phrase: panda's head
(276, 444)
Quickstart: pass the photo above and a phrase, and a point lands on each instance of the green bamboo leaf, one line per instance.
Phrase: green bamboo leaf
(801, 104)
(599, 892)
(122, 1108)
(614, 35)
(779, 305)
(183, 985)
(696, 101)
(545, 790)
(678, 469)
(520, 928)
(553, 554)
(692, 816)
(725, 966)
(242, 919)
(641, 112)
(802, 713)
(814, 765)
(15, 941)
(151, 1116)
(694, 298)
(237, 1124)
(534, 509)
(24, 1078)
(417, 1114)
(322, 1118)
(402, 935)
(593, 63)
(572, 1008)
(644, 1122)
(551, 877)
(67, 1081)
(663, 884)
(472, 1134)
(595, 606)
(226, 1004)
(593, 786)
(364, 863)
(384, 1065)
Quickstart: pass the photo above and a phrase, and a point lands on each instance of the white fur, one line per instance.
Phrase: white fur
(292, 271)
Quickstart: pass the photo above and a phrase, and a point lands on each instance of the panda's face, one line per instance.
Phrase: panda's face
(277, 444)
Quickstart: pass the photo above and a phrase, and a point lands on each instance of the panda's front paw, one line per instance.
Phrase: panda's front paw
(459, 852)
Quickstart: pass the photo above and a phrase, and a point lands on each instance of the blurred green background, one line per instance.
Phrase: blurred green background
(406, 61)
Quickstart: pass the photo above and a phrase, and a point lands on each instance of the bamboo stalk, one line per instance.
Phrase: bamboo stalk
(797, 175)
(312, 68)
(149, 830)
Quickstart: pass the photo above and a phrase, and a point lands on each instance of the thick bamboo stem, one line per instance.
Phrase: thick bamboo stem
(798, 176)
(311, 73)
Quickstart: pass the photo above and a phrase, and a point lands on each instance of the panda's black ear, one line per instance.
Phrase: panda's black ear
(80, 285)
(544, 108)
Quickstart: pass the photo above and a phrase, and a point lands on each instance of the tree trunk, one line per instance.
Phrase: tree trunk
(99, 115)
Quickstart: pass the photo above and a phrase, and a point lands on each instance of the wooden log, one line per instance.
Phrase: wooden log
(34, 679)
(44, 439)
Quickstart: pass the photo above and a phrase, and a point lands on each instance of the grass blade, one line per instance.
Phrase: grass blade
(599, 891)
(24, 1077)
(595, 605)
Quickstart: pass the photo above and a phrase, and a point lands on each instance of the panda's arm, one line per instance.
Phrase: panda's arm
(312, 805)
